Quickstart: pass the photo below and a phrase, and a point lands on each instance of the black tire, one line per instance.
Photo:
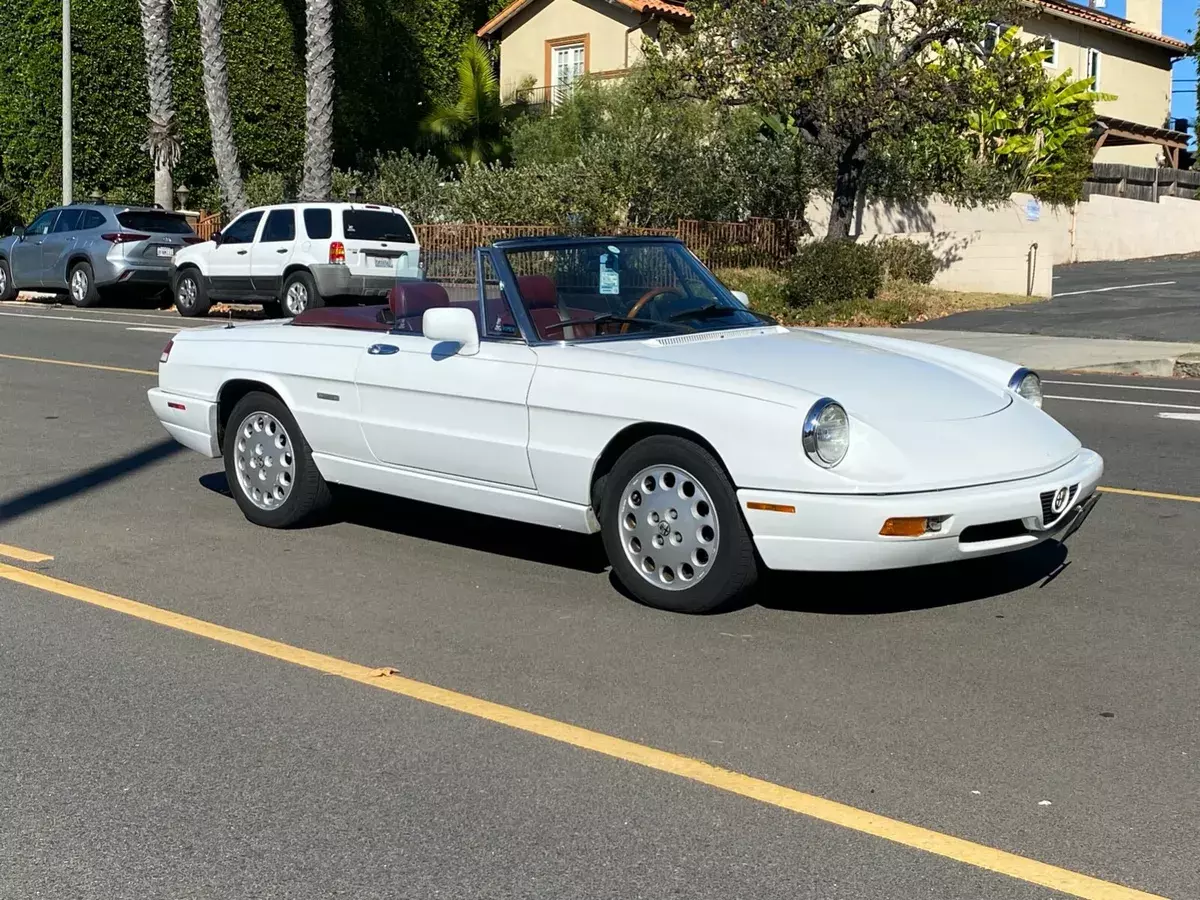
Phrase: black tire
(308, 494)
(273, 309)
(191, 294)
(304, 280)
(81, 286)
(8, 290)
(726, 574)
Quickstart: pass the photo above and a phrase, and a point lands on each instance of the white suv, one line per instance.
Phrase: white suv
(296, 256)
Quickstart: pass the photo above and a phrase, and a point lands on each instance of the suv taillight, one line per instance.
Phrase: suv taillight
(124, 237)
(337, 253)
(166, 354)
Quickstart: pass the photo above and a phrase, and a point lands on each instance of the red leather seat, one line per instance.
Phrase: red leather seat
(357, 318)
(410, 299)
(541, 298)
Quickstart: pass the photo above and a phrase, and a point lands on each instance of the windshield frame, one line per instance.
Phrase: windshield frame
(501, 249)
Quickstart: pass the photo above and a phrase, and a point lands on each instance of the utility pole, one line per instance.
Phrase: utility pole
(68, 165)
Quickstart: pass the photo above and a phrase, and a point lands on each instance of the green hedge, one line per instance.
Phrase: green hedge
(393, 57)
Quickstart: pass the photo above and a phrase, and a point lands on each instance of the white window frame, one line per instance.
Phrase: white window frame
(1052, 46)
(1094, 56)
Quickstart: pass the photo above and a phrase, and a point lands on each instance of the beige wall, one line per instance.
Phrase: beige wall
(614, 38)
(1145, 14)
(1138, 73)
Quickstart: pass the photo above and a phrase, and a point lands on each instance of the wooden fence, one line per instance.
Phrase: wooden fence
(1141, 182)
(448, 250)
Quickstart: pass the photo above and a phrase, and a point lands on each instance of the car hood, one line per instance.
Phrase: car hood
(878, 384)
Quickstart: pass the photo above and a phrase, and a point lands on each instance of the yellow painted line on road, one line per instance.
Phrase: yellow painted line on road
(1153, 495)
(77, 365)
(30, 556)
(858, 820)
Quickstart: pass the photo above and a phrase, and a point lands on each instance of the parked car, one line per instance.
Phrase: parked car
(86, 249)
(295, 257)
(614, 385)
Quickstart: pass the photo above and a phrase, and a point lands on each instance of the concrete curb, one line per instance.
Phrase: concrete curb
(1165, 367)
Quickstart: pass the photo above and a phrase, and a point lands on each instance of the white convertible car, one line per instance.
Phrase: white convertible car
(614, 385)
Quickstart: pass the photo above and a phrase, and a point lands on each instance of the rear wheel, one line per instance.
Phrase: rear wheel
(672, 529)
(8, 290)
(191, 296)
(81, 284)
(300, 293)
(269, 465)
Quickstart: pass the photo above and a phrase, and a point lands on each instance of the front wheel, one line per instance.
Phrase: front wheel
(269, 465)
(8, 290)
(191, 295)
(672, 529)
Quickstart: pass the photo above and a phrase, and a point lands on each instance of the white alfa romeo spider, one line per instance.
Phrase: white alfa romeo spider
(615, 385)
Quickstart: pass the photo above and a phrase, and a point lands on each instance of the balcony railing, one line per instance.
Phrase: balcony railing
(544, 99)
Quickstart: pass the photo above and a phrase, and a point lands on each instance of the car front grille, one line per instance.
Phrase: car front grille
(1048, 514)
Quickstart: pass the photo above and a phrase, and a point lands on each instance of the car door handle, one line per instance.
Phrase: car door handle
(242, 252)
(282, 250)
(383, 349)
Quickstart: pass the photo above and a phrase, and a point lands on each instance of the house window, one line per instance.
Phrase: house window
(1093, 68)
(1052, 47)
(566, 62)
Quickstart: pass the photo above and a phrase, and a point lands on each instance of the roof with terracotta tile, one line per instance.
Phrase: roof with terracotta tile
(1065, 10)
(675, 10)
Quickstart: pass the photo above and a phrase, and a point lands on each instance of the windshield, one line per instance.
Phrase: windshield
(620, 287)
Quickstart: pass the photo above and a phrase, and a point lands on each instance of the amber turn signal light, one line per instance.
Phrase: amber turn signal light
(771, 507)
(911, 527)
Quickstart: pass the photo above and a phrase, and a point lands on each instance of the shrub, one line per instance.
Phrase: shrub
(266, 188)
(415, 184)
(833, 272)
(904, 260)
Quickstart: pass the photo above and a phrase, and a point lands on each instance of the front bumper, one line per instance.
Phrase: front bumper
(191, 422)
(340, 281)
(840, 533)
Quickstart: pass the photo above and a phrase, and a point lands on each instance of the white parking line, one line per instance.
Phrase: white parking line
(1119, 287)
(1121, 402)
(154, 330)
(1184, 417)
(92, 319)
(1126, 387)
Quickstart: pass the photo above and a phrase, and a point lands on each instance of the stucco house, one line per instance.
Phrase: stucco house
(545, 45)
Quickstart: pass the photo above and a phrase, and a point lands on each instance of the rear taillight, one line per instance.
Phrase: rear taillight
(124, 237)
(193, 240)
(337, 253)
(166, 354)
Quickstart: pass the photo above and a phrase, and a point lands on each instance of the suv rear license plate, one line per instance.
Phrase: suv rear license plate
(168, 252)
(381, 262)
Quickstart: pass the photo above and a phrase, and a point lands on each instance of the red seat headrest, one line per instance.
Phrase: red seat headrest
(538, 291)
(411, 298)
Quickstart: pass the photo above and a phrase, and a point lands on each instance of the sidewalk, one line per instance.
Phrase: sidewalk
(1060, 354)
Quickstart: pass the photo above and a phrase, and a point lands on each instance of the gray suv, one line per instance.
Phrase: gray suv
(85, 248)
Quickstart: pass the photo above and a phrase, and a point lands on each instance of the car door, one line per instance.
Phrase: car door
(464, 416)
(270, 254)
(26, 261)
(57, 247)
(229, 262)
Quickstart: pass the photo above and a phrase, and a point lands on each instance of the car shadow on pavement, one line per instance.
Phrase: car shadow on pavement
(473, 531)
(909, 590)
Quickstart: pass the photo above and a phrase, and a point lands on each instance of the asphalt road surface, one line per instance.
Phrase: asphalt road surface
(1154, 300)
(1041, 707)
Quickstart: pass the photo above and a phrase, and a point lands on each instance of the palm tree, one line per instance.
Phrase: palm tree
(162, 141)
(216, 93)
(318, 140)
(472, 129)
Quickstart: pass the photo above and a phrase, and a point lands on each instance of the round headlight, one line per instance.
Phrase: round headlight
(1028, 385)
(826, 433)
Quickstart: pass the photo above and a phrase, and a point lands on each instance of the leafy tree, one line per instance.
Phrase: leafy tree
(472, 129)
(850, 76)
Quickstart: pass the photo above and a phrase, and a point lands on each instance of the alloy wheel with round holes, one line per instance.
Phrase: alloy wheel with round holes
(672, 528)
(81, 286)
(269, 464)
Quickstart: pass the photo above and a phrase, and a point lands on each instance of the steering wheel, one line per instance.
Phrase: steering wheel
(646, 298)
